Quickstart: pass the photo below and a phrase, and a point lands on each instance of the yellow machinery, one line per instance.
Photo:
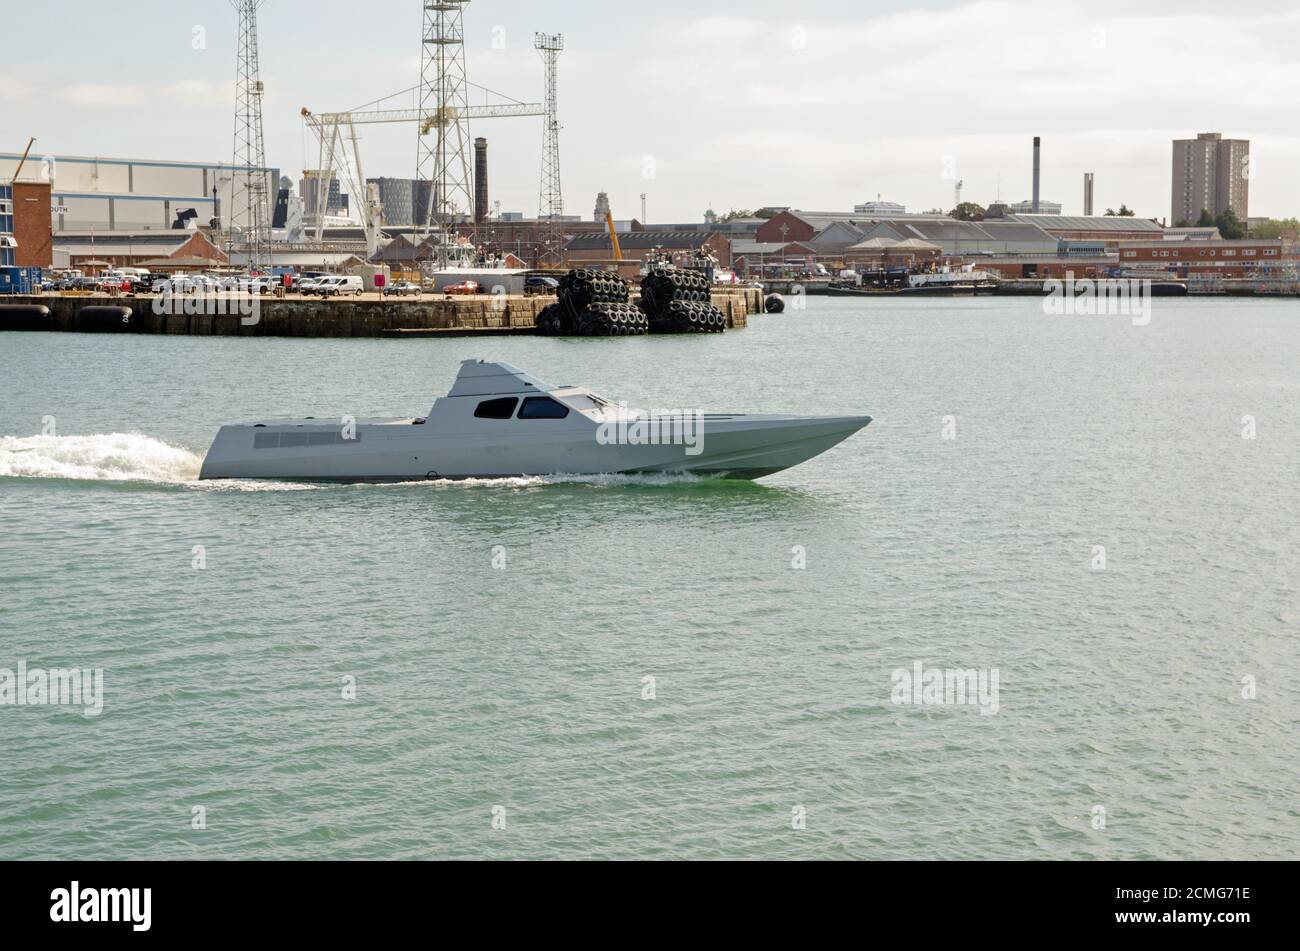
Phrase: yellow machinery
(613, 236)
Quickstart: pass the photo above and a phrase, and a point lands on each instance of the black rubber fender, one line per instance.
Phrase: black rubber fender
(105, 320)
(24, 317)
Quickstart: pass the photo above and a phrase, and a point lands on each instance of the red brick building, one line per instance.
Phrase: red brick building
(792, 226)
(679, 246)
(1045, 267)
(1248, 258)
(33, 230)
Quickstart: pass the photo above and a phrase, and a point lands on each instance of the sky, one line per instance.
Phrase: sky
(819, 105)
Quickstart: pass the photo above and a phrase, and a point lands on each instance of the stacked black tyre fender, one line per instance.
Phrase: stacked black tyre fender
(582, 287)
(611, 320)
(677, 301)
(592, 304)
(555, 321)
(689, 317)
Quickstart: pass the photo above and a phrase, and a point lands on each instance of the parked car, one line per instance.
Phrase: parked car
(464, 287)
(403, 289)
(114, 282)
(185, 284)
(306, 279)
(340, 284)
(254, 285)
(541, 284)
(307, 285)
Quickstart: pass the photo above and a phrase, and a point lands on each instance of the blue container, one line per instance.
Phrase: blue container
(19, 280)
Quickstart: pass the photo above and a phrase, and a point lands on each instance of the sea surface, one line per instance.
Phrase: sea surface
(670, 667)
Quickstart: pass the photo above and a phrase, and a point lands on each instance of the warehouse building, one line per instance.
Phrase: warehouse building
(963, 238)
(1110, 229)
(98, 250)
(836, 230)
(122, 194)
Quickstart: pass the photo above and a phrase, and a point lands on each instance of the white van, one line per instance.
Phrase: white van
(338, 285)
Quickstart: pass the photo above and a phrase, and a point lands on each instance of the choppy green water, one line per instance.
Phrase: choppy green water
(521, 687)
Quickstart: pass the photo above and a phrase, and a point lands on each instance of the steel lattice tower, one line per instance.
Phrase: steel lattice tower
(249, 205)
(444, 161)
(551, 203)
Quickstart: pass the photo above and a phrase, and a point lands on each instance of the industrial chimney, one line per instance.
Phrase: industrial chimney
(1087, 194)
(1038, 171)
(480, 181)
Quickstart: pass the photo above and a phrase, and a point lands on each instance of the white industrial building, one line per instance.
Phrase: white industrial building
(880, 209)
(1026, 207)
(120, 194)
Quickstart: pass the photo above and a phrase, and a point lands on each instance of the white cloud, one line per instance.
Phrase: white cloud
(14, 88)
(129, 96)
(824, 115)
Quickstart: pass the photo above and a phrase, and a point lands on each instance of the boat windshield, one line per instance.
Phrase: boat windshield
(585, 402)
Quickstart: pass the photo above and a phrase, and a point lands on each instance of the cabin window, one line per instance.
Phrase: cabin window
(542, 407)
(496, 409)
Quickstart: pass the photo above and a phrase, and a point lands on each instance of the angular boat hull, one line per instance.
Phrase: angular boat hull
(747, 447)
(499, 422)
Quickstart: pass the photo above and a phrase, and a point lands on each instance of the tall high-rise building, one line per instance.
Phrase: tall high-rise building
(1211, 174)
(402, 199)
(1089, 182)
(336, 202)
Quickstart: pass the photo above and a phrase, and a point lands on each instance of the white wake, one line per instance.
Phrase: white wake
(119, 457)
(132, 457)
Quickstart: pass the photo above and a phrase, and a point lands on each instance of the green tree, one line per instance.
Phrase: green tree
(1124, 212)
(734, 215)
(967, 211)
(1206, 219)
(1230, 226)
(1274, 228)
